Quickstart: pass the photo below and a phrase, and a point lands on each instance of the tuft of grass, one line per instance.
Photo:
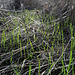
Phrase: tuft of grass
(20, 48)
(39, 67)
(31, 45)
(30, 69)
(63, 69)
(50, 58)
(11, 57)
(17, 73)
(18, 39)
(70, 61)
(3, 39)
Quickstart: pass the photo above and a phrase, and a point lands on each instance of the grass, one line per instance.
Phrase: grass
(39, 67)
(17, 40)
(3, 39)
(70, 61)
(30, 69)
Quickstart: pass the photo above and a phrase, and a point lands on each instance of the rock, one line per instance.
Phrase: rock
(30, 4)
(0, 22)
(17, 4)
(4, 4)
